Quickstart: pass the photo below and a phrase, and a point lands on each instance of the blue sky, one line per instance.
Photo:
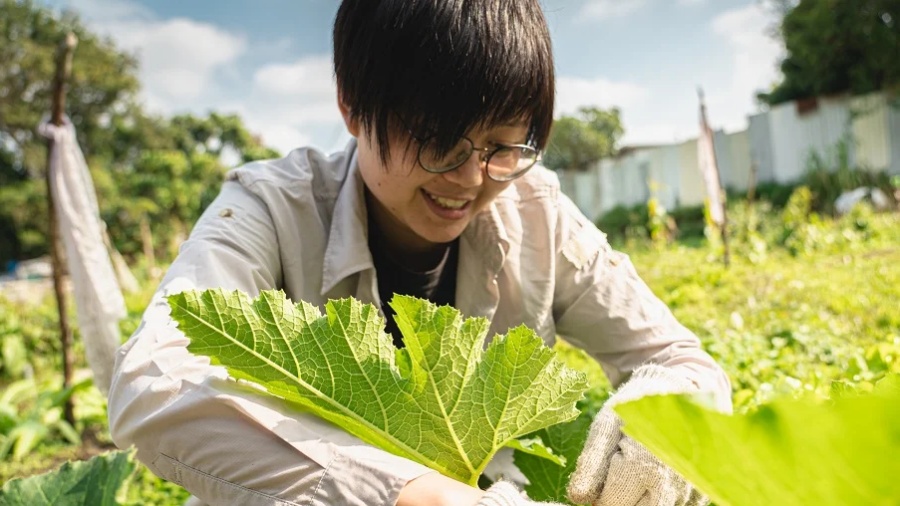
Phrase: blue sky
(269, 60)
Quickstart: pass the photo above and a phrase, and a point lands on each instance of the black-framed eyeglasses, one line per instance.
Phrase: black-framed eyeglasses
(503, 162)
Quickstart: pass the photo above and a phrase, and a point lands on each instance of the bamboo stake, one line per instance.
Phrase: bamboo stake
(723, 229)
(63, 70)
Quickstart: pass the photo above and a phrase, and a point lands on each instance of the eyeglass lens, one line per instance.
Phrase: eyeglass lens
(503, 163)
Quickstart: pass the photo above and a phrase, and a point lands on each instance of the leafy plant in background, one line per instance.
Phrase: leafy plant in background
(444, 400)
(657, 218)
(27, 338)
(31, 413)
(99, 481)
(830, 174)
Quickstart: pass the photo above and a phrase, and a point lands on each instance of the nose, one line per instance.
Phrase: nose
(470, 174)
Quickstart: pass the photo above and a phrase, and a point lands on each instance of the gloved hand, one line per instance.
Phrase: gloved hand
(504, 493)
(615, 470)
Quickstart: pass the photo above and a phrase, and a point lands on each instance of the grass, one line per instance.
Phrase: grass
(787, 318)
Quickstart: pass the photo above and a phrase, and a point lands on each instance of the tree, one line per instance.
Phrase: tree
(29, 37)
(145, 167)
(837, 46)
(577, 142)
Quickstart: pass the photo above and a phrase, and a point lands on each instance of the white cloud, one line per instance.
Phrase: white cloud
(179, 57)
(574, 92)
(691, 2)
(608, 9)
(310, 76)
(754, 62)
(293, 103)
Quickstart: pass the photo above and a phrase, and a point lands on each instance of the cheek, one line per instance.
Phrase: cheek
(491, 190)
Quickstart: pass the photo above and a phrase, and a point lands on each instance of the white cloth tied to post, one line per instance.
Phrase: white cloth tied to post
(98, 298)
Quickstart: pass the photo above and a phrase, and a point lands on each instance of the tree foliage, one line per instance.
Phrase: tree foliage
(837, 46)
(163, 171)
(29, 38)
(577, 142)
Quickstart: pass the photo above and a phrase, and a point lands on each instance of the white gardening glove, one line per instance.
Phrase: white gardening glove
(504, 493)
(615, 470)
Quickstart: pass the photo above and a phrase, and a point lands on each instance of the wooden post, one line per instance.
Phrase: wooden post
(63, 69)
(704, 125)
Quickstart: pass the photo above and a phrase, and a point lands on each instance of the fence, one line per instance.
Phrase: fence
(777, 143)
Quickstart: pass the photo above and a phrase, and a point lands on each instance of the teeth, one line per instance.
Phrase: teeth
(448, 203)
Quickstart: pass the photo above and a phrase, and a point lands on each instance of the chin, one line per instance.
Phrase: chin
(443, 236)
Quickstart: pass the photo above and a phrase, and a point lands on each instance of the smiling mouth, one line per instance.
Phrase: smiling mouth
(446, 203)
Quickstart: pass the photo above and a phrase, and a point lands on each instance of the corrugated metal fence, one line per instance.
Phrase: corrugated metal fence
(778, 143)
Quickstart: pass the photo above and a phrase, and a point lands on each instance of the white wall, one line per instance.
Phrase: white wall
(778, 142)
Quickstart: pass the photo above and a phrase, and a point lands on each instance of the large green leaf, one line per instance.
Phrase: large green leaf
(444, 400)
(547, 481)
(789, 453)
(95, 482)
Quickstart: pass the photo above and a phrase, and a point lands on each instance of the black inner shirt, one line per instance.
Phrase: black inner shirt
(436, 284)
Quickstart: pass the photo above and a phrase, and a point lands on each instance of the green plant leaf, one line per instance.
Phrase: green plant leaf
(27, 435)
(444, 400)
(547, 481)
(790, 453)
(535, 446)
(95, 482)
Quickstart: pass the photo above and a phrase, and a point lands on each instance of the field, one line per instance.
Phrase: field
(807, 305)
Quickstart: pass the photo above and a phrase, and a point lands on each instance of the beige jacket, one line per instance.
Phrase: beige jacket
(299, 224)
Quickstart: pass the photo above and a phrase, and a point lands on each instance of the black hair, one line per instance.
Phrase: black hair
(443, 67)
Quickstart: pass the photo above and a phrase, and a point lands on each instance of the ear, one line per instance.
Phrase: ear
(350, 121)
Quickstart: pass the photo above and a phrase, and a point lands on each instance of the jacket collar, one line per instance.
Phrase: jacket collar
(347, 252)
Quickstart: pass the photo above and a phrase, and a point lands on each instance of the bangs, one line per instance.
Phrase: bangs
(441, 68)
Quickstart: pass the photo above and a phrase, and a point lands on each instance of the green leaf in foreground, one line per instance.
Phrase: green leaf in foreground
(95, 482)
(790, 453)
(546, 481)
(444, 400)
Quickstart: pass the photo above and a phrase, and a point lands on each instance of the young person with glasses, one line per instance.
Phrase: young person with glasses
(440, 196)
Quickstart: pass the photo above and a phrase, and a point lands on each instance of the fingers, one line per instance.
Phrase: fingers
(697, 499)
(594, 462)
(634, 479)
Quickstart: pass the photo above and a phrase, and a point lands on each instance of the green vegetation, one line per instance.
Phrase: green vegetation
(807, 310)
(837, 46)
(95, 482)
(790, 452)
(154, 176)
(784, 322)
(577, 142)
(440, 401)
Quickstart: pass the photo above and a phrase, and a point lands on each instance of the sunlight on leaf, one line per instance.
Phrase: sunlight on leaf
(450, 404)
(790, 452)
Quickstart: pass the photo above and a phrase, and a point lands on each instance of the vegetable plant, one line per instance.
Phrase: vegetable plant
(95, 482)
(790, 452)
(444, 400)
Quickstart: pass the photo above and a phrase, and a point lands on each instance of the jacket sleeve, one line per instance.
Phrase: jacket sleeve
(602, 306)
(219, 440)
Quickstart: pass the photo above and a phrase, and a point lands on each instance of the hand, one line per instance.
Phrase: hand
(435, 489)
(504, 493)
(615, 470)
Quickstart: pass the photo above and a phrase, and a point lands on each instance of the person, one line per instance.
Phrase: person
(440, 195)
